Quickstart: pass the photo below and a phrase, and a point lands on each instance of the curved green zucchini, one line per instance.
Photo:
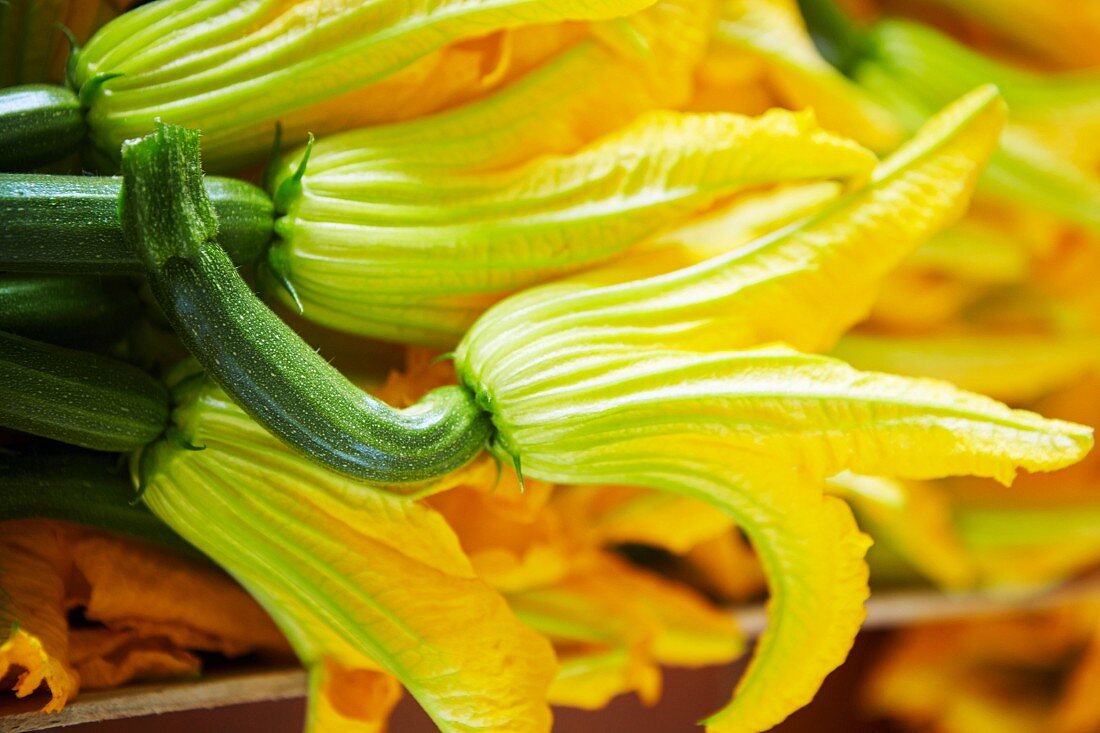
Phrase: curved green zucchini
(69, 224)
(79, 486)
(255, 357)
(77, 397)
(69, 310)
(39, 124)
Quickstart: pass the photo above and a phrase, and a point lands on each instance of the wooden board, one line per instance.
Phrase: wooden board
(251, 685)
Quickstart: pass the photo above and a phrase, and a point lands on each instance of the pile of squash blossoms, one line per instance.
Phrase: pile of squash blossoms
(763, 209)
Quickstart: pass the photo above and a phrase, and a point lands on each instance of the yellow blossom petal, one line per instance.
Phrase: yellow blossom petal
(354, 576)
(773, 31)
(32, 612)
(614, 623)
(914, 520)
(625, 514)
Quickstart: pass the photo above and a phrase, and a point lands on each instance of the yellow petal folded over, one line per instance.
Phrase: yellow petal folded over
(627, 514)
(415, 252)
(913, 519)
(32, 612)
(234, 70)
(785, 285)
(512, 539)
(146, 611)
(354, 576)
(128, 587)
(105, 658)
(613, 624)
(773, 31)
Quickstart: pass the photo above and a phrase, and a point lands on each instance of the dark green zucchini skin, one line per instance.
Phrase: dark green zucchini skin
(70, 224)
(264, 365)
(80, 486)
(68, 310)
(77, 397)
(39, 124)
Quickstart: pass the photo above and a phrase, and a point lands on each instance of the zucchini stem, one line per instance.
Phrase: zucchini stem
(264, 365)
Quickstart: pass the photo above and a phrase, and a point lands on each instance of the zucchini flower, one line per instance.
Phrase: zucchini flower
(235, 70)
(611, 378)
(366, 585)
(413, 246)
(409, 231)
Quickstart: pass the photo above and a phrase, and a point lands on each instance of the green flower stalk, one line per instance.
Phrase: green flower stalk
(171, 225)
(235, 70)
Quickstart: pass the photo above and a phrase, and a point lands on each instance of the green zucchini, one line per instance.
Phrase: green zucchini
(77, 397)
(255, 357)
(79, 486)
(69, 310)
(69, 224)
(39, 124)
